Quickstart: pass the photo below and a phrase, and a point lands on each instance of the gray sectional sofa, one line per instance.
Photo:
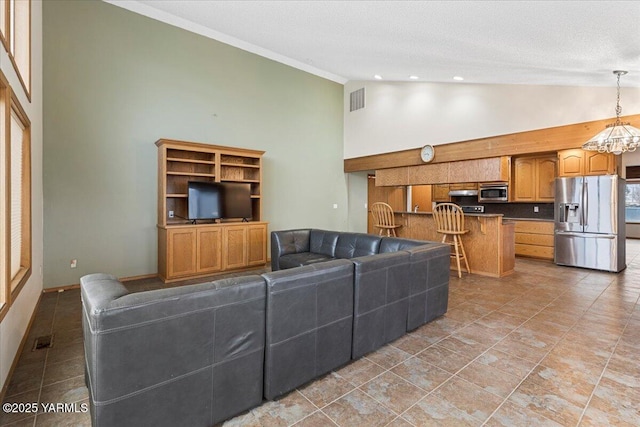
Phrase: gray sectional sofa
(196, 355)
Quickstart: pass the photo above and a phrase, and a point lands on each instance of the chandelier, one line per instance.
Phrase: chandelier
(617, 137)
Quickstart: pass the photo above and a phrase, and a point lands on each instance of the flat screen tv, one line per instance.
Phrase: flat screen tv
(205, 200)
(236, 200)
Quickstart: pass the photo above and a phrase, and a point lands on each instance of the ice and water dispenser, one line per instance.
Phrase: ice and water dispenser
(570, 212)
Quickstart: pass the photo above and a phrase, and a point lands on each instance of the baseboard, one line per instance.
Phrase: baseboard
(77, 285)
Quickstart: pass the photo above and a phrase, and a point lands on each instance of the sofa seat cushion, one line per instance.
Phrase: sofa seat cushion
(302, 258)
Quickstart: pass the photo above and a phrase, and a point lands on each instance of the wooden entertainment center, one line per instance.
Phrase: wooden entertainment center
(187, 250)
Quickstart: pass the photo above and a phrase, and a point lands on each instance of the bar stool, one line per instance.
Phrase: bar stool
(383, 218)
(450, 222)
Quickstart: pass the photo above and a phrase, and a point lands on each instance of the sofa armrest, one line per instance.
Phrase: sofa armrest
(287, 242)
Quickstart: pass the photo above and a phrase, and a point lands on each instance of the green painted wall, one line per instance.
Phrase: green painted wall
(115, 82)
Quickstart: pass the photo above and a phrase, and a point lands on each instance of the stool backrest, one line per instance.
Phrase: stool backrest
(382, 214)
(449, 218)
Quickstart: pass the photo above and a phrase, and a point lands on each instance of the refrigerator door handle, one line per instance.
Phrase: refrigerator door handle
(585, 203)
(587, 235)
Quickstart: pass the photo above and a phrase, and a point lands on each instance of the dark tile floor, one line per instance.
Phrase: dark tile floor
(547, 345)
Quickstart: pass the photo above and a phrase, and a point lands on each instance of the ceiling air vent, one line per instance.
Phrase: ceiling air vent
(357, 100)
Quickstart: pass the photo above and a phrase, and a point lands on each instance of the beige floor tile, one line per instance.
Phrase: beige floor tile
(326, 389)
(468, 397)
(358, 409)
(434, 411)
(393, 392)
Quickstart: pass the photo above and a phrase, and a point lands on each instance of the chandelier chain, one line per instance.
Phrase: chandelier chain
(618, 107)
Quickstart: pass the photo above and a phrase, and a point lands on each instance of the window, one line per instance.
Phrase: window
(20, 185)
(632, 194)
(4, 199)
(4, 22)
(15, 33)
(15, 196)
(632, 201)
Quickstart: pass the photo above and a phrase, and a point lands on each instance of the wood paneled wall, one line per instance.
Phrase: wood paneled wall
(530, 142)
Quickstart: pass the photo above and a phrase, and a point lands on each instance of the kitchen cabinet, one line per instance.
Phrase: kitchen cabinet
(492, 169)
(533, 178)
(440, 193)
(534, 239)
(464, 186)
(578, 162)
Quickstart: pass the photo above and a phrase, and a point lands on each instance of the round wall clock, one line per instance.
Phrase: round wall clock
(427, 153)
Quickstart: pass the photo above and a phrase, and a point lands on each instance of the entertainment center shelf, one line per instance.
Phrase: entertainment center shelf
(188, 250)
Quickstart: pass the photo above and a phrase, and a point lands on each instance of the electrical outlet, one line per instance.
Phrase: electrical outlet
(536, 209)
(335, 206)
(74, 263)
(171, 214)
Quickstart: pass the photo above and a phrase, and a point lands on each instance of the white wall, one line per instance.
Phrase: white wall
(14, 325)
(400, 116)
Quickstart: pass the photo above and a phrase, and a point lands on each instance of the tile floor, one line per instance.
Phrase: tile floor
(547, 345)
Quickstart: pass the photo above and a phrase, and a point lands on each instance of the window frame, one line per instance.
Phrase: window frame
(10, 287)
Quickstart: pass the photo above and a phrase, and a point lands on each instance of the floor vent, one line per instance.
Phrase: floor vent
(357, 100)
(43, 342)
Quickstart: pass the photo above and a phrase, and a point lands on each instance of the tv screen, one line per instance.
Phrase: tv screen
(237, 200)
(205, 200)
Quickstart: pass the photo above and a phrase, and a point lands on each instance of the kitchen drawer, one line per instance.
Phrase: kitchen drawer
(535, 227)
(534, 251)
(535, 239)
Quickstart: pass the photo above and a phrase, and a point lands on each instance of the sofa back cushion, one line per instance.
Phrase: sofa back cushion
(323, 242)
(291, 241)
(394, 244)
(351, 245)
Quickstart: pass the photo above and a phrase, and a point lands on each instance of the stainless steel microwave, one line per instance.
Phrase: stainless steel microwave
(493, 192)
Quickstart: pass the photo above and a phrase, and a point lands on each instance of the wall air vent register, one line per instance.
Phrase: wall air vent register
(357, 100)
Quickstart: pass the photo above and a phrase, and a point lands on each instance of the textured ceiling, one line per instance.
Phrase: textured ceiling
(575, 43)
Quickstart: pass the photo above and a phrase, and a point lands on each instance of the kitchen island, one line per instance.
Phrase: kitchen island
(489, 244)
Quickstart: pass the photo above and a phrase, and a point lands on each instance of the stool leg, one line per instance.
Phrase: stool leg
(464, 255)
(455, 244)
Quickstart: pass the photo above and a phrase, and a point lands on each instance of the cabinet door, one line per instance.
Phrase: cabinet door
(440, 193)
(524, 179)
(181, 250)
(599, 163)
(571, 162)
(235, 243)
(546, 176)
(257, 248)
(209, 253)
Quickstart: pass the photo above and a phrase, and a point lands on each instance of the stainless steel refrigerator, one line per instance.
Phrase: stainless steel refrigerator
(589, 222)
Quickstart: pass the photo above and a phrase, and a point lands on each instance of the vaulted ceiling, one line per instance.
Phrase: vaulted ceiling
(573, 43)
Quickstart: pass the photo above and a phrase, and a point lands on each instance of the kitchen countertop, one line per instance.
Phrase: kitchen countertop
(467, 214)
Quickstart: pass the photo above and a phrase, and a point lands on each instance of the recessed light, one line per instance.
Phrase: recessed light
(414, 77)
(458, 78)
(377, 77)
